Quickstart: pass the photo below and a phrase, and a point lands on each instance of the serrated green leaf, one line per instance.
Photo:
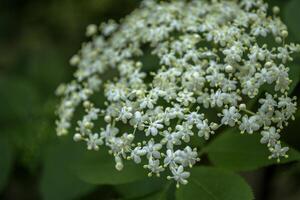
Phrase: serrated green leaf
(292, 17)
(234, 151)
(6, 158)
(58, 181)
(207, 183)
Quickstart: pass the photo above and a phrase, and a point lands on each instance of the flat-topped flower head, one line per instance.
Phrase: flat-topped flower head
(209, 61)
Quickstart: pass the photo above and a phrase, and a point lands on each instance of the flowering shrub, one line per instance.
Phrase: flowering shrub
(211, 61)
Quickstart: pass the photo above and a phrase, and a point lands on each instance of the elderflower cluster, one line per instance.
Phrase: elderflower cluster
(210, 62)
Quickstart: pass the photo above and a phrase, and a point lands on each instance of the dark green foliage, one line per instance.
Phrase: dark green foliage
(209, 183)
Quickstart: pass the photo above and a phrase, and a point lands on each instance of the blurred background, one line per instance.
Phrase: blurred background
(37, 38)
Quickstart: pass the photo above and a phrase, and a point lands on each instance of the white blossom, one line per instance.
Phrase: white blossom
(179, 175)
(209, 63)
(270, 136)
(230, 116)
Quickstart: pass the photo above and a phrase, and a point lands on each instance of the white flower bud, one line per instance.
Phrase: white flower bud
(91, 30)
(77, 137)
(107, 118)
(284, 33)
(242, 106)
(229, 69)
(276, 10)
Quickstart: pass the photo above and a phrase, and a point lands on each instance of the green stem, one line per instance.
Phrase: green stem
(248, 111)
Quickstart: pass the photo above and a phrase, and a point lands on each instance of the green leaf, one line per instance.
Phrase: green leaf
(58, 181)
(292, 17)
(99, 168)
(294, 75)
(208, 183)
(142, 188)
(19, 97)
(6, 160)
(235, 151)
(46, 75)
(166, 193)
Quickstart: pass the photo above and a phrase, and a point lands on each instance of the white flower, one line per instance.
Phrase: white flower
(115, 92)
(176, 111)
(136, 154)
(109, 132)
(268, 104)
(249, 124)
(185, 98)
(171, 139)
(194, 118)
(187, 157)
(152, 149)
(230, 116)
(180, 175)
(125, 114)
(170, 159)
(154, 127)
(270, 136)
(93, 142)
(204, 129)
(184, 131)
(278, 151)
(154, 167)
(147, 102)
(91, 30)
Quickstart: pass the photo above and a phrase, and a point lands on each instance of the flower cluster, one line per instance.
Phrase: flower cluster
(210, 58)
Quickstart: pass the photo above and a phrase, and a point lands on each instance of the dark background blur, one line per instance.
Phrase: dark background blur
(37, 38)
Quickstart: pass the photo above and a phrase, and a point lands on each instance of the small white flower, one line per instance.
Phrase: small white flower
(93, 142)
(184, 131)
(278, 151)
(204, 129)
(187, 157)
(125, 114)
(109, 132)
(148, 102)
(154, 167)
(170, 159)
(270, 136)
(171, 139)
(185, 98)
(136, 154)
(180, 175)
(91, 30)
(154, 128)
(249, 124)
(230, 116)
(152, 149)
